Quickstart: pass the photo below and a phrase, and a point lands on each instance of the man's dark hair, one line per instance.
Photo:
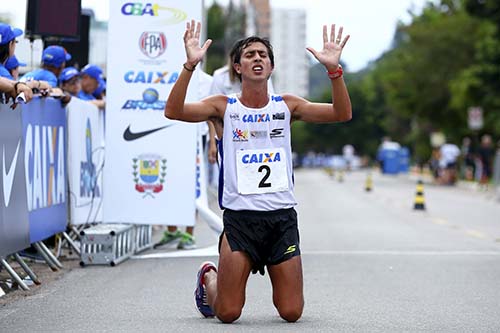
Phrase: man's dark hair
(239, 46)
(4, 52)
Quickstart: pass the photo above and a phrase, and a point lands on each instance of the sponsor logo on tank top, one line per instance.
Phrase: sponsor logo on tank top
(256, 118)
(277, 133)
(279, 116)
(240, 135)
(258, 134)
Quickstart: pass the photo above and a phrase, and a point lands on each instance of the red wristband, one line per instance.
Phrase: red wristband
(335, 75)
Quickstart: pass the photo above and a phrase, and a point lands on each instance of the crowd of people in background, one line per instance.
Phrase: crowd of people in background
(471, 162)
(53, 78)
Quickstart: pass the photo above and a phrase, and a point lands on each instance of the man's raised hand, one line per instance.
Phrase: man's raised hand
(194, 52)
(332, 48)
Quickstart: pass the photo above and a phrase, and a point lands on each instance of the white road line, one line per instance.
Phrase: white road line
(405, 253)
(213, 251)
(203, 252)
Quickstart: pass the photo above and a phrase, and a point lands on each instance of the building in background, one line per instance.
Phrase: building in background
(258, 18)
(288, 37)
(98, 43)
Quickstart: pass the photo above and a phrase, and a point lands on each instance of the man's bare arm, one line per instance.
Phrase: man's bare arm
(340, 109)
(176, 108)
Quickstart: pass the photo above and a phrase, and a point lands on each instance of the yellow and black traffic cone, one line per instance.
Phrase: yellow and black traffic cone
(368, 183)
(419, 197)
(340, 177)
(329, 171)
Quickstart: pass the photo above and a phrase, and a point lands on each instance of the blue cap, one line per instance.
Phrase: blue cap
(7, 33)
(55, 55)
(68, 73)
(93, 71)
(100, 88)
(12, 63)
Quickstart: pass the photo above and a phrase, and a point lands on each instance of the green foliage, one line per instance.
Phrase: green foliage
(216, 25)
(443, 62)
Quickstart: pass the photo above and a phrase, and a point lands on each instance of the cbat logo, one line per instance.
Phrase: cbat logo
(277, 133)
(150, 77)
(261, 158)
(240, 135)
(256, 118)
(153, 44)
(172, 15)
(149, 171)
(150, 101)
(88, 172)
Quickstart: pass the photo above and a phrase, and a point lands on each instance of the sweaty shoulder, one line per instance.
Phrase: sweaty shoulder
(292, 101)
(219, 102)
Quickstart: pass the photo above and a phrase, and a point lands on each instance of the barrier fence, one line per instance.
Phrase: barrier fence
(36, 170)
(14, 219)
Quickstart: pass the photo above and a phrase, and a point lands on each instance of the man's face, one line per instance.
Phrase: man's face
(72, 86)
(255, 62)
(15, 73)
(12, 47)
(89, 84)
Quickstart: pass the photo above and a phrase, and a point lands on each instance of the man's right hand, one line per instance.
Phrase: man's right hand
(194, 52)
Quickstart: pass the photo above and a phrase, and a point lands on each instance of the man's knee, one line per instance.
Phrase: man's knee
(291, 313)
(228, 314)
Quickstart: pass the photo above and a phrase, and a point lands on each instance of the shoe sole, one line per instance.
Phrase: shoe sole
(196, 305)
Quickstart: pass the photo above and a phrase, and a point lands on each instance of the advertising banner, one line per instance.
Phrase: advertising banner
(85, 161)
(44, 131)
(14, 220)
(149, 174)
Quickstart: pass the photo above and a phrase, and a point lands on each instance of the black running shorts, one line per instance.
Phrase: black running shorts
(268, 237)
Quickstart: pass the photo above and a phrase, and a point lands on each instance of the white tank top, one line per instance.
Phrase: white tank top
(256, 171)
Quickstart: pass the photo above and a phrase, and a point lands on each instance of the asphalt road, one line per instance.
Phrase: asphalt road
(371, 264)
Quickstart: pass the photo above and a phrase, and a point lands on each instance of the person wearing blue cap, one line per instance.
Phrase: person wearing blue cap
(91, 76)
(8, 42)
(54, 60)
(13, 65)
(101, 90)
(69, 81)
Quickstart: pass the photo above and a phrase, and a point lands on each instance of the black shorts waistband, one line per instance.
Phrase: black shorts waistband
(258, 212)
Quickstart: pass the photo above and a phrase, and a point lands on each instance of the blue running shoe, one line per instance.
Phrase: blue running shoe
(200, 294)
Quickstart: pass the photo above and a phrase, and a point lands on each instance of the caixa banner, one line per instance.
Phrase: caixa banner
(14, 225)
(44, 131)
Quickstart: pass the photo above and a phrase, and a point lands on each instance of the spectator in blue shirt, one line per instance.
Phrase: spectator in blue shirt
(13, 65)
(54, 60)
(8, 42)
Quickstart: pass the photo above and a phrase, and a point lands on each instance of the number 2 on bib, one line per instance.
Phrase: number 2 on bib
(261, 170)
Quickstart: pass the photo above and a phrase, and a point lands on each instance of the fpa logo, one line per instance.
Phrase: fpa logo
(153, 44)
(172, 15)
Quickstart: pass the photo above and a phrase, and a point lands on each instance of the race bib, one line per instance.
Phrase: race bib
(261, 171)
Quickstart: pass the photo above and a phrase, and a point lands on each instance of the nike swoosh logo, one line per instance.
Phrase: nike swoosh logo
(130, 136)
(8, 178)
